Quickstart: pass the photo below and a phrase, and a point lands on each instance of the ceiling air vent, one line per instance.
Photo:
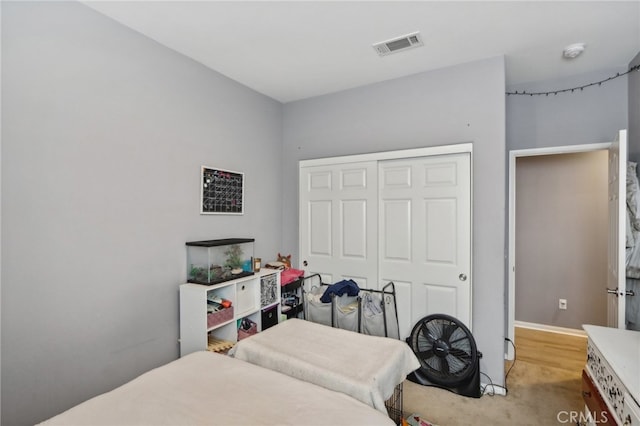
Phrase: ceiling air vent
(398, 44)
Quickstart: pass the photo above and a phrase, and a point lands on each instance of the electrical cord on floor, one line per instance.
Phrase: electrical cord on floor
(494, 386)
(514, 359)
(492, 392)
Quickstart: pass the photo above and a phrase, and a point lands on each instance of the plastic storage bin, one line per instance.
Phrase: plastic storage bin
(246, 297)
(215, 261)
(269, 317)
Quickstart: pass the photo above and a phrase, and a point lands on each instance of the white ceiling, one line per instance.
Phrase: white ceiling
(292, 50)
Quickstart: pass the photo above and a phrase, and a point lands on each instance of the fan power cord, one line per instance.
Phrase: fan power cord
(493, 386)
(514, 359)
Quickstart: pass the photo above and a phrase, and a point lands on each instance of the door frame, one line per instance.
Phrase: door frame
(511, 264)
(391, 155)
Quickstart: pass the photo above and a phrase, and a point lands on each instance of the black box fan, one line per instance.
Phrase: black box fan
(448, 355)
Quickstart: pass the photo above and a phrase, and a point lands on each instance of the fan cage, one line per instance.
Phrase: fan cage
(443, 334)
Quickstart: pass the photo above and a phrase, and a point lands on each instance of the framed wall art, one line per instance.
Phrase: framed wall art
(222, 191)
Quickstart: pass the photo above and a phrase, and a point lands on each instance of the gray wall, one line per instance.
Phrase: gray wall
(634, 112)
(561, 247)
(590, 116)
(103, 135)
(593, 115)
(104, 132)
(458, 104)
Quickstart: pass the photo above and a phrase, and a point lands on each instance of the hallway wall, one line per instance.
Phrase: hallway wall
(561, 239)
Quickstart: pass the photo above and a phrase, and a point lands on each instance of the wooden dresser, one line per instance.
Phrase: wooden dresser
(611, 377)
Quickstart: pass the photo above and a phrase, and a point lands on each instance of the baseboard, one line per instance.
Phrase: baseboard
(551, 328)
(493, 389)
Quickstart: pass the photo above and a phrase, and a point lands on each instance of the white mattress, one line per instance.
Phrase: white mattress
(204, 388)
(365, 367)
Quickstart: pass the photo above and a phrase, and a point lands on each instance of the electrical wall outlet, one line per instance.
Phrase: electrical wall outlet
(562, 304)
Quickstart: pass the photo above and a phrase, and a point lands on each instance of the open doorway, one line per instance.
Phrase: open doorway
(561, 239)
(558, 238)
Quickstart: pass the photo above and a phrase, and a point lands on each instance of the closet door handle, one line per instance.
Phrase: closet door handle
(612, 291)
(462, 277)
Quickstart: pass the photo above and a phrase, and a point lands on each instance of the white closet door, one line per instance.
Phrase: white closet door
(338, 222)
(425, 235)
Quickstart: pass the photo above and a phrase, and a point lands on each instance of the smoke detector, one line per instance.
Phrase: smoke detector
(398, 44)
(573, 50)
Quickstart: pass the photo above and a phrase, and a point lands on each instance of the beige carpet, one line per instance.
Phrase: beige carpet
(536, 395)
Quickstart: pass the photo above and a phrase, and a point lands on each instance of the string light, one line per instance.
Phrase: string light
(572, 89)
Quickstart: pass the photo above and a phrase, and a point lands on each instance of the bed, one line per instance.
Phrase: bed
(369, 368)
(205, 388)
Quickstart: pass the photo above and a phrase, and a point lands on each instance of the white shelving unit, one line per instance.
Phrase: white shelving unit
(245, 296)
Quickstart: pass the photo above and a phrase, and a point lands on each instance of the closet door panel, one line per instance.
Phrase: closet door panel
(396, 230)
(319, 236)
(338, 222)
(319, 181)
(435, 299)
(396, 177)
(440, 231)
(354, 229)
(433, 234)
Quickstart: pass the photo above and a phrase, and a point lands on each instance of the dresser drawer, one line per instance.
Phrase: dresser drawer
(594, 402)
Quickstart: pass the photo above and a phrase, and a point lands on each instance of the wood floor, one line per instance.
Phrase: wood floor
(551, 349)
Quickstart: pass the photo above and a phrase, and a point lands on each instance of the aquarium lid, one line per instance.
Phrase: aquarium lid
(220, 242)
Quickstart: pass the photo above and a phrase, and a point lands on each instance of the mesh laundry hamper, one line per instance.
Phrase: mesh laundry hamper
(378, 315)
(372, 312)
(314, 309)
(346, 311)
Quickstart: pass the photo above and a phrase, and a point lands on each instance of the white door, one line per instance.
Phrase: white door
(338, 222)
(616, 280)
(425, 235)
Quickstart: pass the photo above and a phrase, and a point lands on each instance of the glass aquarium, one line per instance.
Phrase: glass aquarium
(215, 261)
